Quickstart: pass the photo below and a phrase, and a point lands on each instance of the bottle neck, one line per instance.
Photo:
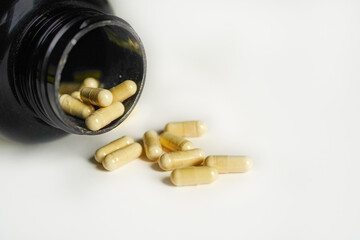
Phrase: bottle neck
(61, 45)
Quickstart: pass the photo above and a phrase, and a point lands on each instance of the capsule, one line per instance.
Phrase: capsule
(153, 149)
(76, 95)
(187, 128)
(175, 143)
(101, 153)
(89, 82)
(229, 164)
(104, 116)
(122, 156)
(193, 175)
(123, 91)
(75, 107)
(96, 96)
(172, 160)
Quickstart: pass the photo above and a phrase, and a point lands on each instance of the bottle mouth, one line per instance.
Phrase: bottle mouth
(109, 51)
(65, 45)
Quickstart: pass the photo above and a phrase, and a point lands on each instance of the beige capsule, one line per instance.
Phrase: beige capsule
(187, 128)
(172, 160)
(76, 95)
(89, 82)
(96, 96)
(153, 149)
(193, 175)
(101, 153)
(104, 116)
(229, 164)
(122, 156)
(75, 107)
(124, 90)
(174, 142)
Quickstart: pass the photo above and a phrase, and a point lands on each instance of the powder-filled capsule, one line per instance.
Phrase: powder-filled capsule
(174, 142)
(76, 94)
(229, 164)
(153, 149)
(101, 153)
(89, 82)
(75, 107)
(104, 116)
(122, 156)
(187, 128)
(172, 160)
(193, 175)
(96, 96)
(123, 91)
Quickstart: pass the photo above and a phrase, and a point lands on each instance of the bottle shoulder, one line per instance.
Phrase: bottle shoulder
(18, 123)
(15, 14)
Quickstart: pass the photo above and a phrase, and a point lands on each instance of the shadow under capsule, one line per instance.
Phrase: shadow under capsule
(167, 181)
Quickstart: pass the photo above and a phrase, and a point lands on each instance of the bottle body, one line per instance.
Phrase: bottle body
(44, 44)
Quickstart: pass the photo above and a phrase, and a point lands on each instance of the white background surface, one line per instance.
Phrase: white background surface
(275, 80)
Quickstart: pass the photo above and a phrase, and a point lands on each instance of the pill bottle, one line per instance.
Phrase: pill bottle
(45, 44)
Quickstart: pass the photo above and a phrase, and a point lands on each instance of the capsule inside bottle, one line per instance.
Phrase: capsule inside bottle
(75, 107)
(124, 90)
(96, 96)
(104, 116)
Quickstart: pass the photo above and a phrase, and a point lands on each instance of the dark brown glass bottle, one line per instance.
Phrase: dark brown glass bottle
(45, 43)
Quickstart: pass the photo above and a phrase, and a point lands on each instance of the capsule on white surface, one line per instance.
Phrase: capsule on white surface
(193, 175)
(172, 160)
(153, 149)
(174, 142)
(122, 156)
(101, 153)
(229, 164)
(187, 128)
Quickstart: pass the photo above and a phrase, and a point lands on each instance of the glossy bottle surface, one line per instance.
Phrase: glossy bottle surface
(44, 43)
